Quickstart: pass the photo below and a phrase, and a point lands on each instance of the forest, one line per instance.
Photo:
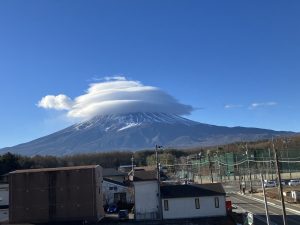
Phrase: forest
(288, 149)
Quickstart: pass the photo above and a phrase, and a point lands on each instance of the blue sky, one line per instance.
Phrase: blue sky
(208, 54)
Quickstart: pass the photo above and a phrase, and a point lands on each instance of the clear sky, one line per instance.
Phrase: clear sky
(238, 62)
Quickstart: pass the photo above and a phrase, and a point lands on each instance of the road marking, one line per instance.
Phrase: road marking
(256, 216)
(274, 205)
(255, 206)
(271, 203)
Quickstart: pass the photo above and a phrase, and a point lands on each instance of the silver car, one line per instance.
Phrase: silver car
(294, 182)
(269, 184)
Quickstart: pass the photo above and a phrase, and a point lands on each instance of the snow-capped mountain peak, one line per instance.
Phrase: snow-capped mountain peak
(125, 121)
(137, 131)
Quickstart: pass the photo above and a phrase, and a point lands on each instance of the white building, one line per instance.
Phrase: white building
(116, 192)
(193, 201)
(146, 195)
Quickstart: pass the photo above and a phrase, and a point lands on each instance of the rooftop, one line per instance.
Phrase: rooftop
(192, 190)
(115, 182)
(143, 175)
(54, 169)
(110, 172)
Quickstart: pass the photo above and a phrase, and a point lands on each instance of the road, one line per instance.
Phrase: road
(256, 206)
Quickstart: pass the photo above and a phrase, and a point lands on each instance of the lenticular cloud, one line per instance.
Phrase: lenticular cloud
(116, 96)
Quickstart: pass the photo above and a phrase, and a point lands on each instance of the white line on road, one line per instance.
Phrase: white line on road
(272, 204)
(255, 215)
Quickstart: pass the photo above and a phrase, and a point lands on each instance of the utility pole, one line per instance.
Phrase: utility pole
(219, 166)
(210, 167)
(199, 166)
(249, 171)
(238, 172)
(287, 152)
(280, 185)
(157, 147)
(265, 199)
(234, 167)
(132, 166)
(270, 169)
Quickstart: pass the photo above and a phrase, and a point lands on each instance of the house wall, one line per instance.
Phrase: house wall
(146, 200)
(56, 195)
(3, 194)
(109, 194)
(185, 207)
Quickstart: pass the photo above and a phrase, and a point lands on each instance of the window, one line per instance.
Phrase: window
(197, 203)
(166, 205)
(115, 188)
(120, 197)
(111, 188)
(216, 202)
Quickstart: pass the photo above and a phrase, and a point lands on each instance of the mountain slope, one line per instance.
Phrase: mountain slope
(137, 131)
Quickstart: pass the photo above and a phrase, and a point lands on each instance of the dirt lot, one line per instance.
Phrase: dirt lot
(274, 193)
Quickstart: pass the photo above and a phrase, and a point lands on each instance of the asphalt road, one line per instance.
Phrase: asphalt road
(257, 207)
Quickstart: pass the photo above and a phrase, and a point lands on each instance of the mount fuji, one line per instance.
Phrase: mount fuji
(136, 131)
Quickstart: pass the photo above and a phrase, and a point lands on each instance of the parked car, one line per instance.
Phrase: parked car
(112, 209)
(270, 184)
(123, 214)
(294, 182)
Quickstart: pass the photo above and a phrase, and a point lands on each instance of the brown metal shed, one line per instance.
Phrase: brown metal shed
(56, 195)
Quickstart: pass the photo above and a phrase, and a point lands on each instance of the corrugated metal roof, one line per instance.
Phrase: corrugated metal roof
(192, 190)
(54, 169)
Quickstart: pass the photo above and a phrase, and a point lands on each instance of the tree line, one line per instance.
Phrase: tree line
(10, 162)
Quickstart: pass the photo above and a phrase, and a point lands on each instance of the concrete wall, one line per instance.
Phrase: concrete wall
(185, 207)
(146, 200)
(60, 195)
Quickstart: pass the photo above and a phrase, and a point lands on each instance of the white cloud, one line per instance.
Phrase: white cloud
(262, 104)
(58, 102)
(231, 106)
(116, 95)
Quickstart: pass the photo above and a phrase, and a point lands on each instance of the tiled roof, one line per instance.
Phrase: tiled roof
(192, 190)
